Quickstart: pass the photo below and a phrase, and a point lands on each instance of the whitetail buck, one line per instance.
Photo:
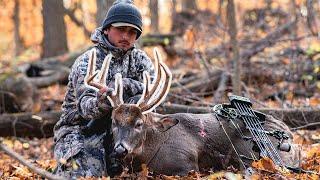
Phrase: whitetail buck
(171, 144)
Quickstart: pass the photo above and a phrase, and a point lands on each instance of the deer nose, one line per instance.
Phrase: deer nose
(120, 151)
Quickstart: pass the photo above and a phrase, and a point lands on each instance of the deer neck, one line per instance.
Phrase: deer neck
(153, 142)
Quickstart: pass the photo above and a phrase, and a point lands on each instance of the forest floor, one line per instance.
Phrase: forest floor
(40, 152)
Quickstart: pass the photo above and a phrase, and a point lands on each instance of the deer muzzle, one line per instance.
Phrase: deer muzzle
(120, 151)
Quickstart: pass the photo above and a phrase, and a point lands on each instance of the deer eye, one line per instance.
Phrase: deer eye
(138, 124)
(114, 123)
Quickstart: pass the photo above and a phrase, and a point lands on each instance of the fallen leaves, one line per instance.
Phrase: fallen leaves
(266, 169)
(312, 162)
(47, 164)
(224, 175)
(265, 164)
(37, 151)
(40, 152)
(21, 172)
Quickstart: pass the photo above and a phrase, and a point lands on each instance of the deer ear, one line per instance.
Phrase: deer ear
(165, 123)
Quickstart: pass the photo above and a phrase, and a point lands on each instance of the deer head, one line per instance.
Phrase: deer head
(130, 121)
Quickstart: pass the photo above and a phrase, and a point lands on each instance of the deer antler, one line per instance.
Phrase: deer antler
(151, 98)
(116, 97)
(92, 73)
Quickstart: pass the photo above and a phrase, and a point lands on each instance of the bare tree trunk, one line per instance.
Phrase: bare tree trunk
(173, 14)
(311, 19)
(174, 10)
(102, 9)
(236, 78)
(174, 5)
(220, 7)
(153, 7)
(18, 47)
(189, 5)
(55, 37)
(294, 18)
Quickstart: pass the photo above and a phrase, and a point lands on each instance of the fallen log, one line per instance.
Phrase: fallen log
(17, 94)
(41, 124)
(29, 124)
(54, 76)
(64, 59)
(292, 117)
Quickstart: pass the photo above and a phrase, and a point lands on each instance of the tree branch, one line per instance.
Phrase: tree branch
(41, 172)
(71, 15)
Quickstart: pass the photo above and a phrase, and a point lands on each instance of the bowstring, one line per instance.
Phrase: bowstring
(255, 126)
(234, 148)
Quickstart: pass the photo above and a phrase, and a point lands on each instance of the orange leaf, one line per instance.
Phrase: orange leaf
(265, 164)
(314, 101)
(144, 172)
(285, 61)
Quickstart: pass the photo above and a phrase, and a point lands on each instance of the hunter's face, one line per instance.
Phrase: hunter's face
(122, 37)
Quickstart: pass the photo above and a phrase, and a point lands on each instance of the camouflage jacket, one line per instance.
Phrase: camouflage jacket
(80, 103)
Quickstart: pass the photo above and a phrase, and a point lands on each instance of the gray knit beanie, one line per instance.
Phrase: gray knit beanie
(124, 11)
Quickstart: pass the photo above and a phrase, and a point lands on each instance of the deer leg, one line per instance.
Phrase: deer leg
(174, 161)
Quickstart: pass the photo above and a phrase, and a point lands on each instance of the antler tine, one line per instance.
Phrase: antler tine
(92, 62)
(158, 60)
(147, 94)
(92, 73)
(163, 92)
(116, 98)
(151, 99)
(105, 69)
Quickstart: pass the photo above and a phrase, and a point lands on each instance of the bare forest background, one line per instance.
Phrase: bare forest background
(267, 50)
